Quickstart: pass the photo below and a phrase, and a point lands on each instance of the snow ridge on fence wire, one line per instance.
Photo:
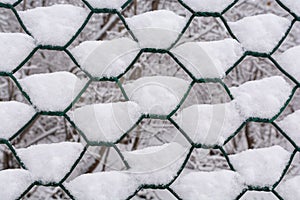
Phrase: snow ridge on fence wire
(156, 167)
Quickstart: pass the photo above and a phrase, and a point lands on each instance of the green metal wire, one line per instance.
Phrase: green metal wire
(116, 80)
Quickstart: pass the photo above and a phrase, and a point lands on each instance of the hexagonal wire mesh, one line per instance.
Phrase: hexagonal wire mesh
(7, 138)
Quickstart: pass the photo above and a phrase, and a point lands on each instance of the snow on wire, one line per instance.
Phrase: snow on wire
(156, 167)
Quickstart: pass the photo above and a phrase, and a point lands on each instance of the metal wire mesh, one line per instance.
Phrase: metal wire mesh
(94, 11)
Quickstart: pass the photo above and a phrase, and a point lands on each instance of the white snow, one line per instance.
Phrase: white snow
(111, 185)
(14, 48)
(210, 124)
(208, 5)
(106, 122)
(260, 33)
(258, 195)
(13, 116)
(217, 185)
(208, 59)
(106, 58)
(290, 61)
(52, 91)
(262, 98)
(261, 167)
(13, 182)
(291, 126)
(293, 5)
(162, 194)
(156, 164)
(179, 138)
(289, 189)
(156, 29)
(54, 25)
(157, 94)
(111, 4)
(50, 162)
